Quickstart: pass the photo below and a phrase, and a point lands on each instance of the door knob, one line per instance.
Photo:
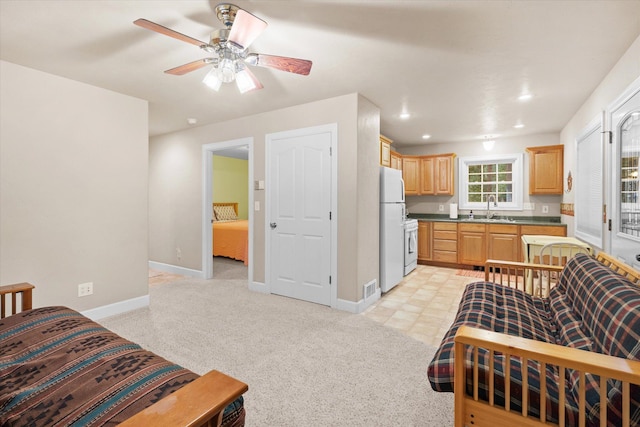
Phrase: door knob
(638, 257)
(273, 225)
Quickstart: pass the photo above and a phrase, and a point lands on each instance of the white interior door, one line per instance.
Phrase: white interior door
(625, 188)
(299, 214)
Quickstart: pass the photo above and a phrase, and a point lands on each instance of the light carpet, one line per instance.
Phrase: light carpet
(305, 364)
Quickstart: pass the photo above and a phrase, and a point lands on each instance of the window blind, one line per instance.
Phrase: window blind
(589, 183)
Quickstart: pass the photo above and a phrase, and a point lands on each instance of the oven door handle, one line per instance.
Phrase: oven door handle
(412, 242)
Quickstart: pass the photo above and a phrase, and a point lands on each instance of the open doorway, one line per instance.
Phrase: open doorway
(227, 209)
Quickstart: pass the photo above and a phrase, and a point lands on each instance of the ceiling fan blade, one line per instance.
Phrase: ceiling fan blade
(191, 66)
(167, 32)
(245, 29)
(291, 65)
(247, 81)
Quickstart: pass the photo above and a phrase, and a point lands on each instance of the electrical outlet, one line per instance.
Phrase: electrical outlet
(545, 209)
(85, 289)
(441, 208)
(529, 206)
(179, 253)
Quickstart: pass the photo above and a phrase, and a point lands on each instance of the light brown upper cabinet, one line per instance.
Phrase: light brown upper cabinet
(411, 175)
(396, 160)
(385, 151)
(436, 175)
(428, 175)
(546, 169)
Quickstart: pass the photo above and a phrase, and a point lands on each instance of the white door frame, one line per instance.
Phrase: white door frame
(208, 150)
(333, 129)
(611, 174)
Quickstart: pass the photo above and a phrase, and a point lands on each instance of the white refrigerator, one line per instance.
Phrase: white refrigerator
(392, 215)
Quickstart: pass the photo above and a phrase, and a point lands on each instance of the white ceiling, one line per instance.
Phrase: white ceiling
(456, 66)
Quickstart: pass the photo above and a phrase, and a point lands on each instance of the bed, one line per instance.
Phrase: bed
(57, 367)
(230, 234)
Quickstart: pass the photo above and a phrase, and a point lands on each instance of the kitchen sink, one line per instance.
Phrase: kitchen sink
(499, 220)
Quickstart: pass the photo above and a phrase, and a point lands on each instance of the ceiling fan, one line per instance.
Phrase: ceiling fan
(230, 46)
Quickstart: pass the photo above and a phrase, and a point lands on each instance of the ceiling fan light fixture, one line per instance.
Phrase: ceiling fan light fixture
(244, 81)
(212, 80)
(230, 46)
(227, 70)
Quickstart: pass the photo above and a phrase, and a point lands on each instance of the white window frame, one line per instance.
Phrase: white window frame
(516, 161)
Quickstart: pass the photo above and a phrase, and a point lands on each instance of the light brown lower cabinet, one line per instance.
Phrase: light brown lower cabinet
(470, 244)
(445, 242)
(424, 241)
(503, 242)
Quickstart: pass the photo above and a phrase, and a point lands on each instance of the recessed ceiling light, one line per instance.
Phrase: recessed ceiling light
(405, 116)
(525, 97)
(426, 136)
(192, 121)
(518, 126)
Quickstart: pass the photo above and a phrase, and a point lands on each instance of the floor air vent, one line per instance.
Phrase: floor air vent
(369, 289)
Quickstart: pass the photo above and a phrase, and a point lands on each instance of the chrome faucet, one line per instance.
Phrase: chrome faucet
(491, 198)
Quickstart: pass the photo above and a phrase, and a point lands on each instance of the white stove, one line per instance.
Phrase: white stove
(410, 245)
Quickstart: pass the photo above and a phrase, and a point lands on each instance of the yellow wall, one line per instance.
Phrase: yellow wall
(231, 183)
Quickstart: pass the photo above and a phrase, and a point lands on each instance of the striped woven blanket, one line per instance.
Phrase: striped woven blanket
(58, 367)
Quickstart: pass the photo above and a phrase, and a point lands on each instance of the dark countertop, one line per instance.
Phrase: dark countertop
(501, 219)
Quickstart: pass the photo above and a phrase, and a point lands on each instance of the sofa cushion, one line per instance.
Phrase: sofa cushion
(493, 307)
(596, 309)
(604, 303)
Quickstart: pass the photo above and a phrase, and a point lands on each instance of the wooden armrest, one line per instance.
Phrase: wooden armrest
(18, 287)
(471, 409)
(13, 290)
(554, 354)
(195, 404)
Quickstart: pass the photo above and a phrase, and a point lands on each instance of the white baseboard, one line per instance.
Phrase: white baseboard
(259, 287)
(359, 306)
(344, 305)
(117, 308)
(174, 269)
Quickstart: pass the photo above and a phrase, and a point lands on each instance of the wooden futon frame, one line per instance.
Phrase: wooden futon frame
(199, 403)
(472, 411)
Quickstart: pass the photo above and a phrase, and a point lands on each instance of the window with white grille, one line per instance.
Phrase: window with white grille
(498, 176)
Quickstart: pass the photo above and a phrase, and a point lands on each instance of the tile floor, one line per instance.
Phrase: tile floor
(422, 306)
(160, 277)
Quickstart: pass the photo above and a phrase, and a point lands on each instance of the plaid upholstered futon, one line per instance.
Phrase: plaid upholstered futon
(591, 308)
(57, 367)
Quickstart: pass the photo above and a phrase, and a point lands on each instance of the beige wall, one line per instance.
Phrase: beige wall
(175, 183)
(73, 189)
(368, 197)
(430, 204)
(613, 85)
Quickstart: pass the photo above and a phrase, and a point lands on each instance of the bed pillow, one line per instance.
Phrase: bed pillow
(225, 213)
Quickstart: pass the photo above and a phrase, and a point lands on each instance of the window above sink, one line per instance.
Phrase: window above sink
(484, 176)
